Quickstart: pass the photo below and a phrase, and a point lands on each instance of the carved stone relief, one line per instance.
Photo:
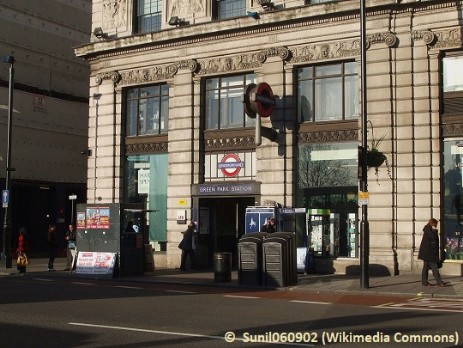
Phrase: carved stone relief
(325, 136)
(146, 148)
(185, 8)
(447, 38)
(156, 73)
(114, 13)
(113, 76)
(426, 35)
(240, 62)
(350, 48)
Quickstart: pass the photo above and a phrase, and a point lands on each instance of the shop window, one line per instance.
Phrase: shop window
(453, 199)
(230, 8)
(327, 188)
(328, 92)
(149, 14)
(145, 181)
(147, 110)
(224, 108)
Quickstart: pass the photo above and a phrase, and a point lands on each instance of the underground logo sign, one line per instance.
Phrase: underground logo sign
(230, 165)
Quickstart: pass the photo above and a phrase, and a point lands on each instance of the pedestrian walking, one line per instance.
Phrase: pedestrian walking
(71, 247)
(51, 242)
(429, 253)
(23, 247)
(187, 247)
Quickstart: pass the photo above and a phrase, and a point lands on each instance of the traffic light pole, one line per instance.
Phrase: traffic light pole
(364, 225)
(6, 246)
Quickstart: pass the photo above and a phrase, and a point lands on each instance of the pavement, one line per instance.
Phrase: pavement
(399, 285)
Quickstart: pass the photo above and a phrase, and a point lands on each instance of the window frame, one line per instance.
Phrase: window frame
(219, 115)
(137, 17)
(318, 82)
(160, 107)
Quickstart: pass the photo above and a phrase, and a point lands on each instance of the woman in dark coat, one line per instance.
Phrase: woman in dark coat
(429, 253)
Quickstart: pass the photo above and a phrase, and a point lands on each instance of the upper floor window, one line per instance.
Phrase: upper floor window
(149, 15)
(230, 8)
(453, 73)
(147, 110)
(328, 92)
(224, 108)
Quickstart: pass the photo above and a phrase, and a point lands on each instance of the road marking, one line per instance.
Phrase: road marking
(174, 333)
(241, 296)
(44, 279)
(181, 292)
(311, 302)
(80, 283)
(427, 304)
(128, 287)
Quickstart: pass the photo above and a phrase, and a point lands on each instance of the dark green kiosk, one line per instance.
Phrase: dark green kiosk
(113, 230)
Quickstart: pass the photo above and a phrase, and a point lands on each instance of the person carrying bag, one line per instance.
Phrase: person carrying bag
(23, 245)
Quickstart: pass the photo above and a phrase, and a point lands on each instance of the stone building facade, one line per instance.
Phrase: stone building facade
(167, 126)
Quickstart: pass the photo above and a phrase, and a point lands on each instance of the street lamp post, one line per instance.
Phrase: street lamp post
(6, 248)
(364, 225)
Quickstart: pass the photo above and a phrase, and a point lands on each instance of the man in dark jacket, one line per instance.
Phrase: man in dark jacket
(429, 253)
(269, 226)
(187, 247)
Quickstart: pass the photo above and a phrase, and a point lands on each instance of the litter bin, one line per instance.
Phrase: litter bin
(222, 266)
(250, 268)
(280, 259)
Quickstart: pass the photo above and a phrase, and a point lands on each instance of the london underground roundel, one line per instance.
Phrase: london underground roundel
(230, 165)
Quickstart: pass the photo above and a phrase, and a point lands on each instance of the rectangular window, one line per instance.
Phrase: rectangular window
(453, 74)
(230, 8)
(453, 199)
(149, 15)
(145, 181)
(224, 108)
(147, 110)
(328, 92)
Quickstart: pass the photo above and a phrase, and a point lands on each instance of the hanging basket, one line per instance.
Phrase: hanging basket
(375, 158)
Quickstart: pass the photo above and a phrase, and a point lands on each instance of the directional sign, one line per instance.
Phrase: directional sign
(5, 198)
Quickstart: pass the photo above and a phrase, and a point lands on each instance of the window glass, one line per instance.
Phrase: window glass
(327, 92)
(224, 108)
(327, 188)
(453, 74)
(231, 8)
(149, 15)
(145, 181)
(147, 110)
(453, 199)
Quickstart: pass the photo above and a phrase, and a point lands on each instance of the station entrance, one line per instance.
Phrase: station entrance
(221, 223)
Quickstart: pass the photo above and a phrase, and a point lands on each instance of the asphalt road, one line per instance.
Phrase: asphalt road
(41, 311)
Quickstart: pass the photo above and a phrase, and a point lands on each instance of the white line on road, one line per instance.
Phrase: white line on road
(44, 279)
(181, 292)
(174, 333)
(128, 287)
(311, 302)
(239, 296)
(80, 283)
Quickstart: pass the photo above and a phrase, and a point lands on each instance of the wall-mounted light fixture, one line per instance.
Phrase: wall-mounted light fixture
(267, 5)
(86, 152)
(99, 33)
(175, 21)
(254, 15)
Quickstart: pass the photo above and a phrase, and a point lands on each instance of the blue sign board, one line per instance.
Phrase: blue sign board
(5, 198)
(256, 217)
